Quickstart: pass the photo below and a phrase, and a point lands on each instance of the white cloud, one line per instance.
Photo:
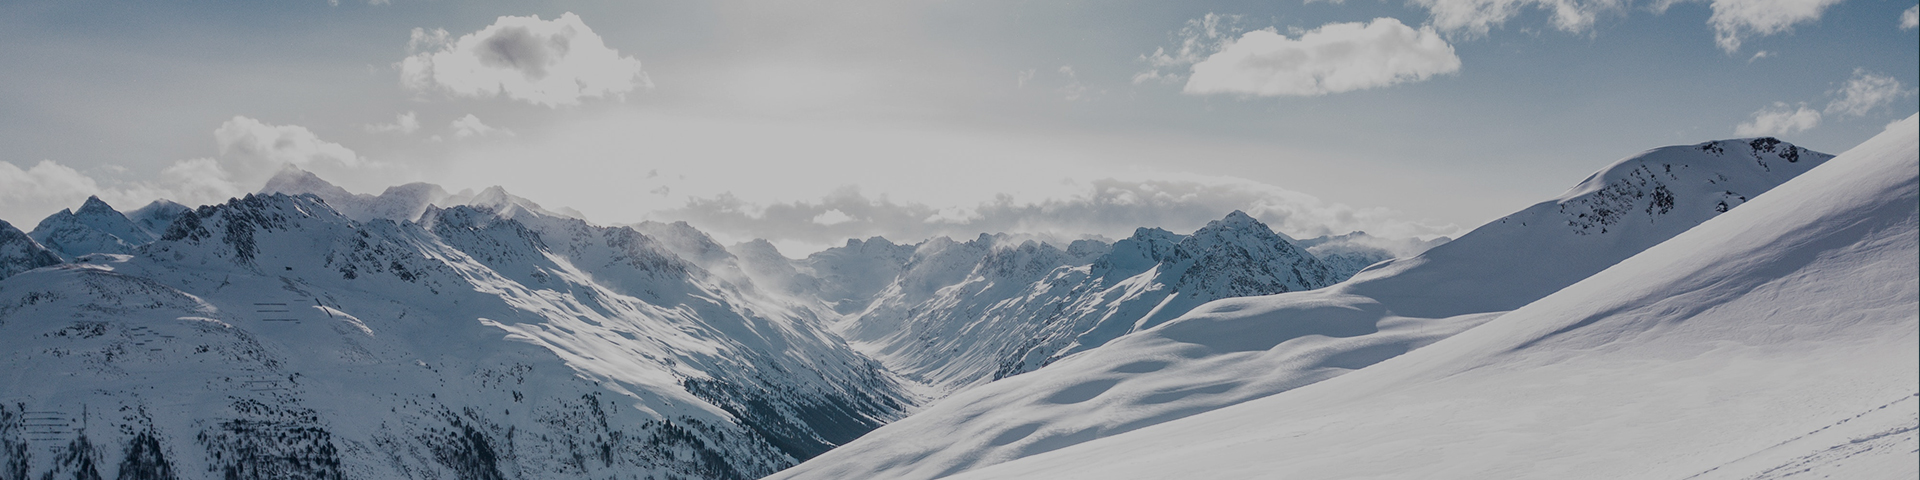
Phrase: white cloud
(1199, 38)
(832, 217)
(1910, 19)
(1733, 19)
(404, 124)
(1334, 58)
(1476, 17)
(1073, 90)
(1779, 119)
(1865, 92)
(1107, 207)
(252, 150)
(470, 126)
(26, 194)
(543, 62)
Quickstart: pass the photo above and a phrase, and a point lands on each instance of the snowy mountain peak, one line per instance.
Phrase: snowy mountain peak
(20, 253)
(95, 206)
(293, 181)
(154, 218)
(95, 228)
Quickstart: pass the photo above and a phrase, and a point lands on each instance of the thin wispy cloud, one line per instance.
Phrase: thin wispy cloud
(543, 62)
(1198, 39)
(1865, 92)
(404, 124)
(1735, 20)
(1473, 18)
(471, 126)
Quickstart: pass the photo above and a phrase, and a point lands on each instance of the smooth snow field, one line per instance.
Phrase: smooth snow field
(1775, 341)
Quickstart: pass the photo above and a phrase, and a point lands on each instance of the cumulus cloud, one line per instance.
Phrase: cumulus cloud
(543, 62)
(1779, 119)
(404, 124)
(1866, 91)
(251, 149)
(1734, 19)
(1107, 207)
(1910, 19)
(470, 126)
(1334, 58)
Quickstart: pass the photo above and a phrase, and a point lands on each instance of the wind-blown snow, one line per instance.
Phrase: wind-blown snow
(1776, 341)
(1235, 350)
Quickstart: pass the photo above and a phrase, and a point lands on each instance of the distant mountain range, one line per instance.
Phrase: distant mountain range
(262, 337)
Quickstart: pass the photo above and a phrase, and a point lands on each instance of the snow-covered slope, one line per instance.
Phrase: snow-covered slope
(969, 313)
(1235, 350)
(272, 337)
(1776, 341)
(20, 253)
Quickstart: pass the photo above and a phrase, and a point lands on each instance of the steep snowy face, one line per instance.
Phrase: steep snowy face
(1234, 350)
(95, 228)
(20, 253)
(767, 267)
(1621, 210)
(852, 275)
(1776, 341)
(273, 337)
(967, 313)
(154, 218)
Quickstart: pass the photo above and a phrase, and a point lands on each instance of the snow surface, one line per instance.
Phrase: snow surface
(1776, 341)
(1236, 350)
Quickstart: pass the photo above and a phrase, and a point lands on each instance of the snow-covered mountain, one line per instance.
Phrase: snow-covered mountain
(965, 313)
(1776, 341)
(95, 228)
(1236, 350)
(273, 337)
(1350, 253)
(20, 252)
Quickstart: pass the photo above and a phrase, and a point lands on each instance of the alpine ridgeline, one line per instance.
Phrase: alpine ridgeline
(274, 337)
(1232, 351)
(964, 313)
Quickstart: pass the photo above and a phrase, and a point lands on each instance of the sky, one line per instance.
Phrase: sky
(811, 121)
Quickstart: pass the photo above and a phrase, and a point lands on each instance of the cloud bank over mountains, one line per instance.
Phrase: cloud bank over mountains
(1108, 207)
